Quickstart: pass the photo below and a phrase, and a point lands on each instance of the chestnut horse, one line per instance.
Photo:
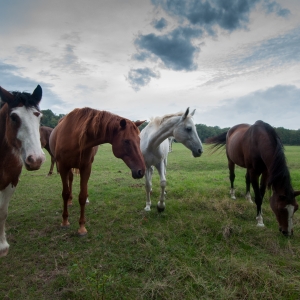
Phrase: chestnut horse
(258, 148)
(19, 144)
(45, 132)
(73, 142)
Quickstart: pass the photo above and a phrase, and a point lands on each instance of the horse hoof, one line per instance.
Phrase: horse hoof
(233, 197)
(260, 225)
(70, 203)
(82, 232)
(160, 209)
(147, 208)
(64, 226)
(3, 252)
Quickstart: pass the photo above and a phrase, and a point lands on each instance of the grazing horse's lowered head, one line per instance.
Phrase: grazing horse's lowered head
(126, 145)
(284, 207)
(22, 126)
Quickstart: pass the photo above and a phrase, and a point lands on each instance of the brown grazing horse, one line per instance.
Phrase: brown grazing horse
(19, 144)
(45, 135)
(73, 142)
(258, 148)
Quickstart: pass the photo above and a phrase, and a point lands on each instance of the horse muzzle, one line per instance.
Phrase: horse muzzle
(33, 162)
(197, 153)
(136, 174)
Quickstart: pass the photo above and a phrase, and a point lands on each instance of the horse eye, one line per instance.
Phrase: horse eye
(14, 118)
(127, 142)
(188, 129)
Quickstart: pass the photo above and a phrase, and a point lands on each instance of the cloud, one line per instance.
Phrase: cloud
(277, 105)
(175, 49)
(11, 81)
(141, 77)
(160, 24)
(178, 49)
(276, 51)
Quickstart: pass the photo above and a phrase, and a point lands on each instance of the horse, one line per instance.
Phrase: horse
(259, 149)
(45, 132)
(155, 147)
(73, 142)
(19, 145)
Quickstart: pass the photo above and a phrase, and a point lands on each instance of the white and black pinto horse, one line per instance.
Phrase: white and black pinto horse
(155, 147)
(19, 145)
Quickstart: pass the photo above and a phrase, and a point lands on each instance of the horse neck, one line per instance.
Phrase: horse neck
(3, 117)
(101, 132)
(164, 130)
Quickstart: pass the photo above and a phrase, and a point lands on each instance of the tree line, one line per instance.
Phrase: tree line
(288, 136)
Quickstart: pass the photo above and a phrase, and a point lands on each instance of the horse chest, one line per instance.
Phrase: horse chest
(11, 167)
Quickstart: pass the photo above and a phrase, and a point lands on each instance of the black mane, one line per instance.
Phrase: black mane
(25, 98)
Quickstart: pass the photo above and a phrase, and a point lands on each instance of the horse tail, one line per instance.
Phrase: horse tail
(217, 142)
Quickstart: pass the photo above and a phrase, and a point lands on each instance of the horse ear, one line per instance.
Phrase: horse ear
(185, 114)
(5, 95)
(123, 123)
(139, 123)
(193, 112)
(38, 93)
(296, 193)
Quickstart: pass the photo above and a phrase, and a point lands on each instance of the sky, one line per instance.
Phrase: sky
(234, 61)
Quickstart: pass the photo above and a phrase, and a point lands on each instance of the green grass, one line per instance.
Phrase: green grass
(204, 246)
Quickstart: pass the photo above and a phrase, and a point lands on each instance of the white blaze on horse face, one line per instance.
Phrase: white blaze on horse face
(29, 133)
(290, 208)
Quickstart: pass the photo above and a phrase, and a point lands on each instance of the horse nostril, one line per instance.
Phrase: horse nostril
(30, 159)
(140, 173)
(200, 151)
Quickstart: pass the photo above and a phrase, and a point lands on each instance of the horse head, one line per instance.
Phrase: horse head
(22, 126)
(126, 145)
(185, 132)
(284, 208)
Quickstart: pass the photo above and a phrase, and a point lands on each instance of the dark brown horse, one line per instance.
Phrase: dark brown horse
(258, 148)
(45, 132)
(72, 143)
(19, 144)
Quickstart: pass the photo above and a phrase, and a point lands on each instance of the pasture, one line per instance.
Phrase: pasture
(204, 246)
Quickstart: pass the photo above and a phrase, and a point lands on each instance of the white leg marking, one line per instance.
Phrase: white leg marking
(290, 208)
(248, 197)
(260, 221)
(232, 194)
(5, 196)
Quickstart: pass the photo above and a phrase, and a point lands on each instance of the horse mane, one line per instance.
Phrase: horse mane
(25, 98)
(160, 120)
(279, 172)
(93, 121)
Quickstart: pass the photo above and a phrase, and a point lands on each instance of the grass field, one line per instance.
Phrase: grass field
(204, 246)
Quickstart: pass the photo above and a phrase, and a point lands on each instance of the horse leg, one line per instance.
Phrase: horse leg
(64, 174)
(263, 183)
(51, 167)
(161, 168)
(84, 178)
(258, 199)
(248, 195)
(231, 166)
(148, 187)
(5, 196)
(70, 179)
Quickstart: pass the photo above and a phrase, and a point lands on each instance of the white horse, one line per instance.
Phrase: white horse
(155, 147)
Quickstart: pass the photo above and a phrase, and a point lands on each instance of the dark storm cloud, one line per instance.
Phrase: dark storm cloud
(160, 24)
(277, 105)
(178, 48)
(140, 77)
(175, 49)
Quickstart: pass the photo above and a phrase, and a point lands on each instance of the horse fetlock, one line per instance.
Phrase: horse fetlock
(161, 206)
(232, 194)
(163, 183)
(4, 246)
(148, 207)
